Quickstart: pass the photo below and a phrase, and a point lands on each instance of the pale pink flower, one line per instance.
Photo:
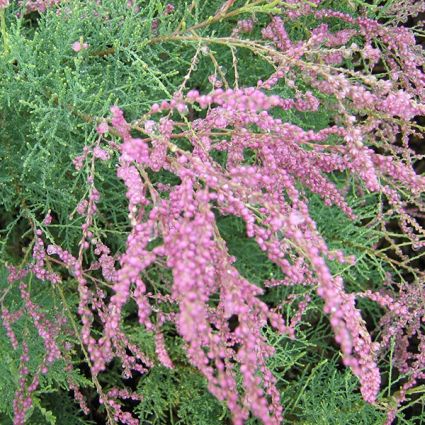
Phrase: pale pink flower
(78, 45)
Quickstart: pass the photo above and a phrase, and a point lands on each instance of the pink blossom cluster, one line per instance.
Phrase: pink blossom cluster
(297, 8)
(48, 330)
(280, 146)
(38, 5)
(198, 258)
(332, 48)
(38, 267)
(22, 402)
(402, 10)
(402, 324)
(111, 398)
(199, 261)
(8, 318)
(406, 69)
(78, 396)
(245, 26)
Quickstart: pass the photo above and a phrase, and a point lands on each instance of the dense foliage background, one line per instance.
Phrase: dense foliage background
(64, 64)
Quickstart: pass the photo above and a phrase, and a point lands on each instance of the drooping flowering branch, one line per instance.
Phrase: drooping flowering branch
(266, 195)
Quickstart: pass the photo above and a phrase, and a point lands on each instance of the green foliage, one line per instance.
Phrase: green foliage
(329, 396)
(178, 396)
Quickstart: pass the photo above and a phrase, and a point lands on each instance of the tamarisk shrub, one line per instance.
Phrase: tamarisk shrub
(183, 218)
(243, 148)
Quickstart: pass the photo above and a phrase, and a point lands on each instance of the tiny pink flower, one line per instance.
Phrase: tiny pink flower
(78, 45)
(169, 9)
(100, 153)
(102, 128)
(47, 219)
